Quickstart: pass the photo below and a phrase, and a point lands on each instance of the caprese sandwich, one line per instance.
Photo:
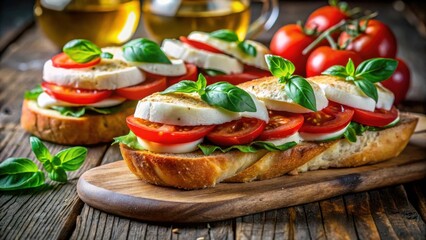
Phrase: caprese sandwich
(194, 135)
(220, 55)
(87, 92)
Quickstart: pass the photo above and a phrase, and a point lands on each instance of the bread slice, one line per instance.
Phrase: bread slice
(194, 170)
(90, 129)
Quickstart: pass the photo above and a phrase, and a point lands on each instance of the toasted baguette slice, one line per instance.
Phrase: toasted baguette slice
(194, 170)
(90, 129)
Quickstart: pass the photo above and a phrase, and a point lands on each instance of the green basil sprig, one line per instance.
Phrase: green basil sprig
(220, 94)
(22, 173)
(231, 36)
(33, 93)
(144, 50)
(365, 76)
(83, 51)
(356, 129)
(252, 147)
(296, 87)
(80, 111)
(130, 140)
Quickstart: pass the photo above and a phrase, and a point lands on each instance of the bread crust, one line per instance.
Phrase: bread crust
(49, 125)
(194, 170)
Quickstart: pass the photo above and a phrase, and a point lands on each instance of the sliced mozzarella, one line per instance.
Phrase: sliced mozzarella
(46, 101)
(177, 68)
(169, 148)
(261, 111)
(108, 74)
(292, 138)
(201, 58)
(232, 49)
(357, 100)
(322, 136)
(386, 98)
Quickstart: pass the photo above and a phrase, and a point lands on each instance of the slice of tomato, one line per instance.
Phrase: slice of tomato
(75, 95)
(331, 119)
(281, 125)
(200, 45)
(242, 131)
(191, 74)
(143, 89)
(62, 60)
(248, 74)
(378, 118)
(164, 133)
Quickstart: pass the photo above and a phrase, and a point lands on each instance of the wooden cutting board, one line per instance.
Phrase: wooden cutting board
(114, 189)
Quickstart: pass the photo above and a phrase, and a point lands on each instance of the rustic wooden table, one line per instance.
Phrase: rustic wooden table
(56, 212)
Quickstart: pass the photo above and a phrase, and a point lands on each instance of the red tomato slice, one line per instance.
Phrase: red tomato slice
(164, 133)
(281, 125)
(62, 60)
(249, 73)
(200, 45)
(191, 74)
(75, 95)
(143, 89)
(378, 118)
(331, 119)
(237, 132)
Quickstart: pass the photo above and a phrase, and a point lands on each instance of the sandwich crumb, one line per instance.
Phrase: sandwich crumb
(175, 230)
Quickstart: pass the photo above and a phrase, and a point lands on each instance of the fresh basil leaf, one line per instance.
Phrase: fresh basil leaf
(81, 50)
(201, 84)
(58, 175)
(212, 72)
(279, 67)
(272, 147)
(33, 93)
(253, 147)
(185, 86)
(247, 48)
(19, 173)
(301, 92)
(350, 134)
(350, 68)
(130, 140)
(368, 88)
(48, 166)
(225, 35)
(144, 50)
(359, 128)
(40, 150)
(229, 97)
(107, 55)
(376, 69)
(72, 158)
(337, 71)
(70, 111)
(56, 162)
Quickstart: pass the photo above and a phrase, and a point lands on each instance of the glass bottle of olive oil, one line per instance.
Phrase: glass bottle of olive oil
(173, 18)
(104, 22)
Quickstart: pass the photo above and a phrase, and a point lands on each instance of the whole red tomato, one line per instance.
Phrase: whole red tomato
(375, 40)
(399, 82)
(325, 17)
(289, 42)
(324, 57)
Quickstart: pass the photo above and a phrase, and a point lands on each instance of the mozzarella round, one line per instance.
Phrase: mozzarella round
(386, 97)
(322, 136)
(109, 74)
(292, 138)
(46, 101)
(169, 148)
(232, 49)
(201, 58)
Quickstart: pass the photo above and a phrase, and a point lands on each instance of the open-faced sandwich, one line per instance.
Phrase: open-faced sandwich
(194, 136)
(220, 55)
(87, 92)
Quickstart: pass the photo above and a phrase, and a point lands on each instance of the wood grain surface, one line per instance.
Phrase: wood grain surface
(113, 188)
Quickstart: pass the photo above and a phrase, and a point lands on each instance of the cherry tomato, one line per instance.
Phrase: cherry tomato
(248, 74)
(324, 57)
(289, 42)
(191, 74)
(377, 40)
(75, 95)
(325, 17)
(378, 118)
(200, 45)
(242, 131)
(62, 60)
(399, 82)
(331, 119)
(281, 125)
(164, 133)
(143, 89)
